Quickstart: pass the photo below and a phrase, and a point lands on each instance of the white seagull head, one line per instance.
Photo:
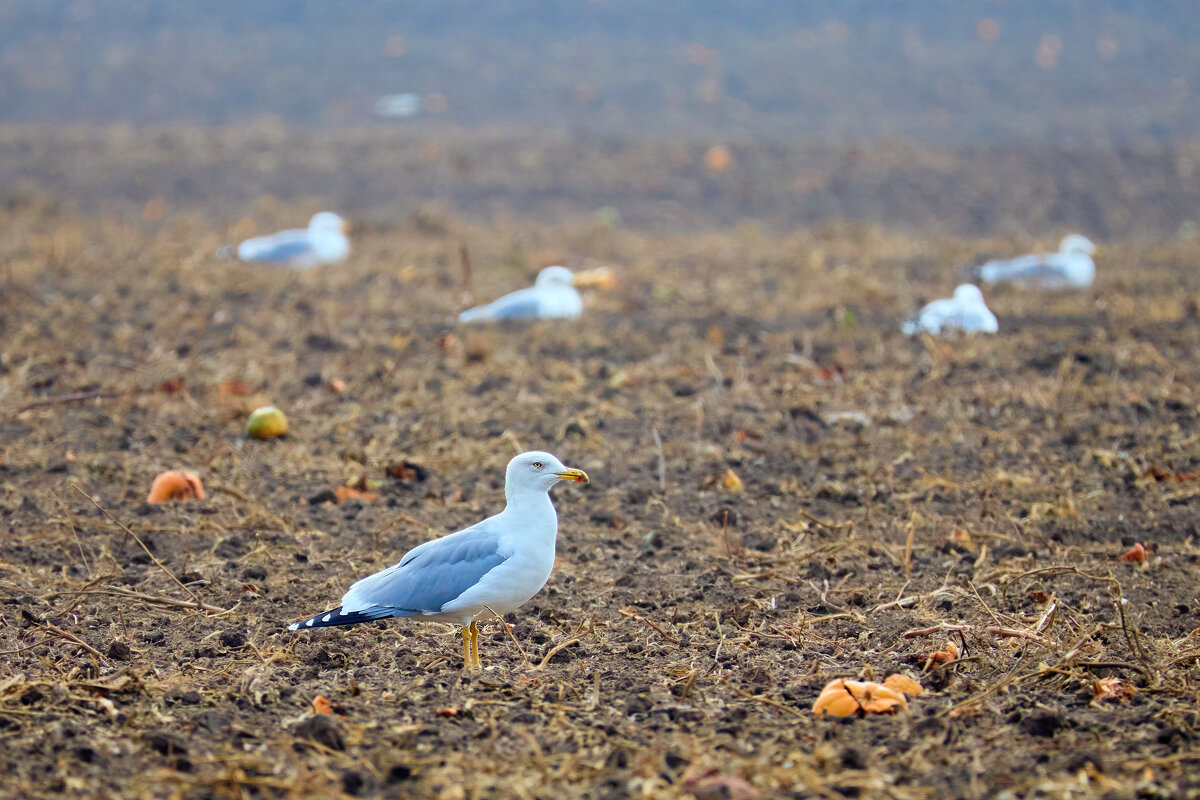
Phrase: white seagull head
(968, 294)
(555, 276)
(1077, 244)
(327, 222)
(537, 471)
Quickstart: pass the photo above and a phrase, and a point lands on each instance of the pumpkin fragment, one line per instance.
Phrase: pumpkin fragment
(944, 656)
(175, 485)
(344, 493)
(903, 684)
(845, 698)
(1136, 554)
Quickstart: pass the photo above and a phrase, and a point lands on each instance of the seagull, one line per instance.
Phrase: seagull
(1071, 267)
(324, 241)
(552, 296)
(494, 566)
(965, 312)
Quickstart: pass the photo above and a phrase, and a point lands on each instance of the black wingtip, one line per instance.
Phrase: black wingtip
(334, 617)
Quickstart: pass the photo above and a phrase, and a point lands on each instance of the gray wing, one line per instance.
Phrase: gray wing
(1047, 270)
(518, 308)
(430, 575)
(521, 304)
(278, 248)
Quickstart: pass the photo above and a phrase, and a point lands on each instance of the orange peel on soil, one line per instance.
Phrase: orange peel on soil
(845, 698)
(903, 684)
(175, 485)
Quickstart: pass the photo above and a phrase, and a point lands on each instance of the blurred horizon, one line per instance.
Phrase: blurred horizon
(980, 71)
(971, 117)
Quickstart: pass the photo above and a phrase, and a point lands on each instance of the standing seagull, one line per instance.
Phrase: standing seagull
(494, 566)
(324, 241)
(1071, 267)
(965, 312)
(552, 296)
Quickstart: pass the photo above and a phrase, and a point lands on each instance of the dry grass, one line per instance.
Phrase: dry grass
(896, 494)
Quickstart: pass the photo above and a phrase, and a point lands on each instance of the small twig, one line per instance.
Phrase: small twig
(1051, 571)
(26, 647)
(898, 603)
(908, 545)
(1113, 665)
(524, 658)
(74, 533)
(513, 440)
(833, 526)
(464, 258)
(1135, 646)
(662, 462)
(1047, 618)
(765, 700)
(120, 591)
(630, 613)
(137, 539)
(229, 490)
(70, 637)
(942, 628)
(74, 397)
(554, 651)
(986, 608)
(395, 364)
(996, 630)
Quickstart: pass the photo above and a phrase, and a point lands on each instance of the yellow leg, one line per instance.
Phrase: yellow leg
(468, 664)
(475, 645)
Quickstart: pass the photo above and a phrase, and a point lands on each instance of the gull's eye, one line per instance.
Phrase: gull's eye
(537, 465)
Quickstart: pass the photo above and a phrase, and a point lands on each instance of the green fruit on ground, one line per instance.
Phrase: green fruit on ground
(266, 423)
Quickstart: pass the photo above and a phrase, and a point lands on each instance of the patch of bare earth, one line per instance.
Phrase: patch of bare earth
(894, 495)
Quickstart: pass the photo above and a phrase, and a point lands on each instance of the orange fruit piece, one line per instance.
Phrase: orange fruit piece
(1136, 554)
(344, 493)
(944, 656)
(175, 485)
(845, 698)
(903, 684)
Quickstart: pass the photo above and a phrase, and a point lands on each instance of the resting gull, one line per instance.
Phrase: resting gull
(965, 312)
(552, 296)
(1071, 267)
(324, 241)
(493, 566)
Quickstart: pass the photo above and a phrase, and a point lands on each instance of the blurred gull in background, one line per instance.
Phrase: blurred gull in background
(324, 241)
(552, 296)
(494, 566)
(965, 312)
(1070, 267)
(398, 106)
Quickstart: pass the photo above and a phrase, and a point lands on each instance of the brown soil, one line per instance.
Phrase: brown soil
(686, 626)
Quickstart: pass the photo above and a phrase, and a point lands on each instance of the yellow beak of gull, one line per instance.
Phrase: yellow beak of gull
(600, 277)
(577, 475)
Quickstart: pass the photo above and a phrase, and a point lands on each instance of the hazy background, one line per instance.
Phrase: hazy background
(967, 116)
